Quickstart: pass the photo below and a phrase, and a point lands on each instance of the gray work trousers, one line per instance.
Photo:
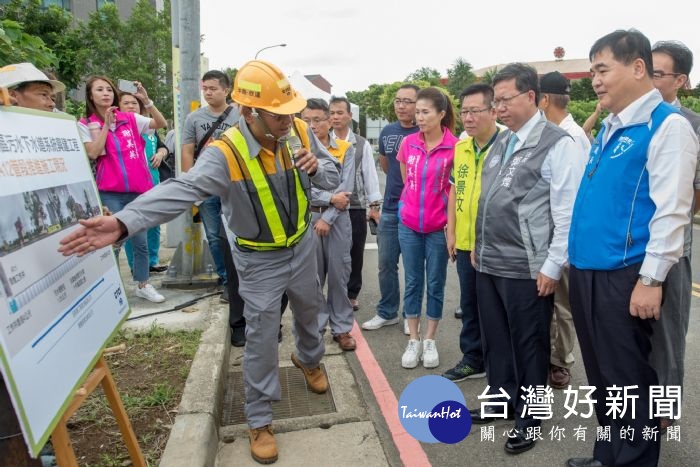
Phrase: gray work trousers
(334, 264)
(263, 277)
(562, 335)
(668, 338)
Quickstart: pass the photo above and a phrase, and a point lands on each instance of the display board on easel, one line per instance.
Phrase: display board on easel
(56, 312)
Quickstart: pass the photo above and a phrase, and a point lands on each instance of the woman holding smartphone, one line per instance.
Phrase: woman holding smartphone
(426, 162)
(113, 139)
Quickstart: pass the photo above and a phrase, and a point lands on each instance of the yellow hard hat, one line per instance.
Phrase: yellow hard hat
(262, 85)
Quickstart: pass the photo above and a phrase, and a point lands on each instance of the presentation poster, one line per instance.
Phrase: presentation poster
(56, 312)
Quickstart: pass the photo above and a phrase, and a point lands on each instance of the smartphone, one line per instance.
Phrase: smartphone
(372, 226)
(126, 85)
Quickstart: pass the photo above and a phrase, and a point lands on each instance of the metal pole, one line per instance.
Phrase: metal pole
(191, 253)
(269, 47)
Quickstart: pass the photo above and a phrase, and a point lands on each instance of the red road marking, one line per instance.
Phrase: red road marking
(410, 450)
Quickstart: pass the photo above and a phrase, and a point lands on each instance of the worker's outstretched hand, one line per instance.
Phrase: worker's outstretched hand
(93, 234)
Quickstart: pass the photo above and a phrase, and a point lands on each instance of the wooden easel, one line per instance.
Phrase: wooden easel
(65, 456)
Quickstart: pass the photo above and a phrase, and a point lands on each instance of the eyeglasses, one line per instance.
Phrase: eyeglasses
(473, 112)
(314, 121)
(505, 101)
(660, 74)
(398, 101)
(277, 117)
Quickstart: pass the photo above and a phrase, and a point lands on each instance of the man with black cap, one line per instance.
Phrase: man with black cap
(554, 99)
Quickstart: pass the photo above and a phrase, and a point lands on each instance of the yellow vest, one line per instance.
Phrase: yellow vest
(340, 151)
(466, 173)
(277, 235)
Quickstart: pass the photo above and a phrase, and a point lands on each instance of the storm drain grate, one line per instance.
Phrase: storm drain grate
(297, 400)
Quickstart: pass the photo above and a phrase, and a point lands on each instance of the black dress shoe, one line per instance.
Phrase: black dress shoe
(490, 415)
(518, 442)
(157, 269)
(238, 336)
(584, 462)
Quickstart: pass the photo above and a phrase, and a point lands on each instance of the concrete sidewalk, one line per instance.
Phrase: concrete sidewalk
(345, 436)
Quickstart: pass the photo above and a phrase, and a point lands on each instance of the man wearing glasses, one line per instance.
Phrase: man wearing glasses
(263, 180)
(529, 183)
(554, 99)
(331, 222)
(479, 121)
(388, 229)
(672, 64)
(626, 233)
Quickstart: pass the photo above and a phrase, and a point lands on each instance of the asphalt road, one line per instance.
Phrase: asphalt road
(388, 344)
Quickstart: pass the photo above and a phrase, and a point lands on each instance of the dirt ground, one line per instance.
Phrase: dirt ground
(150, 376)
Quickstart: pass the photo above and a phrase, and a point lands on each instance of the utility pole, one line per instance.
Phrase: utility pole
(192, 264)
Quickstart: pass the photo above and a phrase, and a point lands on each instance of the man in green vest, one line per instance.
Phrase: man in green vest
(479, 120)
(261, 168)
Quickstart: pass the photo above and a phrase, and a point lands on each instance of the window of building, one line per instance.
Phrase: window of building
(99, 3)
(65, 4)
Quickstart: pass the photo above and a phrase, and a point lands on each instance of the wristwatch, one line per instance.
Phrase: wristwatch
(649, 282)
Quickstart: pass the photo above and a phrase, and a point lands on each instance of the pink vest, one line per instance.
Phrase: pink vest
(423, 203)
(124, 168)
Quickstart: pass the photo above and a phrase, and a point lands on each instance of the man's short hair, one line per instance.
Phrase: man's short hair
(220, 76)
(681, 55)
(415, 87)
(340, 99)
(524, 75)
(478, 88)
(560, 101)
(626, 47)
(318, 104)
(22, 86)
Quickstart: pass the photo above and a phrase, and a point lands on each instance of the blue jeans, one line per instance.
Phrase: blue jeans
(388, 259)
(423, 255)
(153, 241)
(115, 202)
(210, 212)
(470, 335)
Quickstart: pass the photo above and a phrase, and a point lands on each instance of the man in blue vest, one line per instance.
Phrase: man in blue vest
(626, 232)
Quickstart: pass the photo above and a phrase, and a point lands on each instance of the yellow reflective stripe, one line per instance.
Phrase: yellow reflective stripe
(272, 217)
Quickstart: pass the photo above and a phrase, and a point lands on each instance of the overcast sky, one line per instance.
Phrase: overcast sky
(354, 43)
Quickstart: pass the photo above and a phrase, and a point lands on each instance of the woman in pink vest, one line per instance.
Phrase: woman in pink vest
(113, 140)
(426, 161)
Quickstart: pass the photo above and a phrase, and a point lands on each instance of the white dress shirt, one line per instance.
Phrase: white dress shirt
(671, 162)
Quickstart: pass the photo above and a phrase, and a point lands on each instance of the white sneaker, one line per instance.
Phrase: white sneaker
(406, 330)
(430, 354)
(412, 354)
(149, 293)
(378, 322)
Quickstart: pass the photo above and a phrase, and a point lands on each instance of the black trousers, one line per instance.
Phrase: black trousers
(358, 220)
(515, 337)
(235, 302)
(13, 450)
(615, 348)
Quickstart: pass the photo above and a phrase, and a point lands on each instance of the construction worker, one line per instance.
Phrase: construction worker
(264, 186)
(331, 221)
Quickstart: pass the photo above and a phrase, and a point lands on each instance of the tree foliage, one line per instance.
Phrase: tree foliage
(427, 74)
(459, 76)
(582, 90)
(136, 49)
(17, 46)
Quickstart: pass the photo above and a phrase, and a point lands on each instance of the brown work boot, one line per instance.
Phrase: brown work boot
(315, 378)
(559, 378)
(345, 341)
(263, 447)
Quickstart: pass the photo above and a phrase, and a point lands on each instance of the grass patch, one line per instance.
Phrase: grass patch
(150, 377)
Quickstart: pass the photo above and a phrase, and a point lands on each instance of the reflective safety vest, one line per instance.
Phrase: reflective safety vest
(274, 232)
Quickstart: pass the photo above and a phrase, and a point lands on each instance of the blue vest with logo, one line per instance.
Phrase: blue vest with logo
(613, 208)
